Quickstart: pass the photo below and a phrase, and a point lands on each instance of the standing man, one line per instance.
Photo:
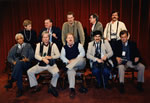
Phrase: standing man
(127, 55)
(74, 27)
(96, 25)
(99, 51)
(72, 54)
(46, 53)
(55, 33)
(114, 27)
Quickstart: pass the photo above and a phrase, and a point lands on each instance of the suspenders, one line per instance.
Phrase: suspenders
(116, 30)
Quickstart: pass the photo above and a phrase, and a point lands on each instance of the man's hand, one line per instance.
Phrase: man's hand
(99, 60)
(54, 35)
(104, 58)
(70, 61)
(14, 62)
(25, 59)
(136, 59)
(119, 60)
(45, 60)
(48, 57)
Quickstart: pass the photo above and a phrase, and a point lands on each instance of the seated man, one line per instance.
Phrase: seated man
(127, 55)
(46, 53)
(73, 55)
(99, 51)
(19, 56)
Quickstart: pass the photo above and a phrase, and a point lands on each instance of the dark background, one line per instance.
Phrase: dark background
(134, 13)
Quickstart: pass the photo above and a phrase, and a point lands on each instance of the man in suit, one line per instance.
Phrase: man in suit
(127, 55)
(74, 27)
(55, 33)
(99, 51)
(96, 25)
(72, 54)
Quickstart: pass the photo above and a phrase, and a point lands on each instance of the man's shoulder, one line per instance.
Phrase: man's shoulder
(120, 22)
(91, 43)
(99, 23)
(65, 23)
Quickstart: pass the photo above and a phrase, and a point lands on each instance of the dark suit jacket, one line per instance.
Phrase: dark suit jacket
(132, 49)
(55, 30)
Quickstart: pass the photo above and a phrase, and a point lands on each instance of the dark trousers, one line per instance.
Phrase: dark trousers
(18, 70)
(101, 73)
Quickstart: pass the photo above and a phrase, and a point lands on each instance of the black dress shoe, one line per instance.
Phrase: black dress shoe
(9, 85)
(19, 93)
(53, 91)
(83, 90)
(122, 90)
(139, 87)
(72, 93)
(36, 89)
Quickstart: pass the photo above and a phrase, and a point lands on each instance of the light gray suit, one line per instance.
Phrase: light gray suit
(105, 50)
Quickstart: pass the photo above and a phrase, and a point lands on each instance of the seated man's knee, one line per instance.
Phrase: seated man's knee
(141, 66)
(56, 75)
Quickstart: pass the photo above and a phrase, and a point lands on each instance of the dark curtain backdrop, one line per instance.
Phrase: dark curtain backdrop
(134, 13)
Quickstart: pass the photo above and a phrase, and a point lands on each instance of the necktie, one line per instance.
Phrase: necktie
(97, 53)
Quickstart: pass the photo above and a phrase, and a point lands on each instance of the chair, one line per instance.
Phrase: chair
(8, 70)
(128, 72)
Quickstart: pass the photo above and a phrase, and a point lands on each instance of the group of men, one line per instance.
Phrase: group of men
(103, 50)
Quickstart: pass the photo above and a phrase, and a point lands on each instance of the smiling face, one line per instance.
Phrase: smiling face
(47, 24)
(20, 40)
(45, 38)
(115, 16)
(70, 39)
(97, 38)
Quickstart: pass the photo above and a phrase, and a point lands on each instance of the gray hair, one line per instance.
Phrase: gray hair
(45, 32)
(17, 35)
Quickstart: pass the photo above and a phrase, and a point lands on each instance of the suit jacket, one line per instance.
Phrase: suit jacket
(27, 52)
(55, 30)
(98, 26)
(132, 49)
(105, 49)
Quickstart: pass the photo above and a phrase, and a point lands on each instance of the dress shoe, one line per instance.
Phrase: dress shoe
(36, 89)
(19, 93)
(83, 90)
(53, 91)
(139, 87)
(72, 93)
(122, 90)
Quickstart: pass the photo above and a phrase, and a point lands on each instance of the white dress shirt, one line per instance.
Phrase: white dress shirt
(113, 26)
